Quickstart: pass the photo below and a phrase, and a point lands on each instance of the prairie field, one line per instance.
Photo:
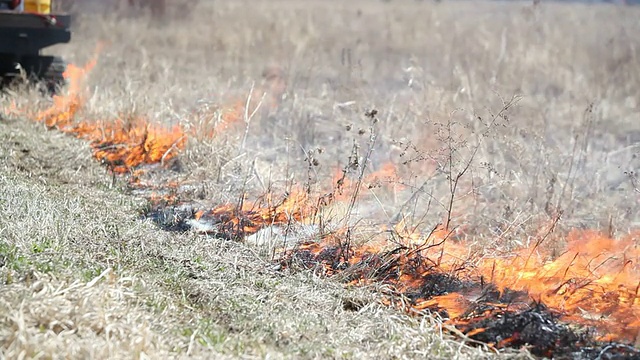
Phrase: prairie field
(511, 125)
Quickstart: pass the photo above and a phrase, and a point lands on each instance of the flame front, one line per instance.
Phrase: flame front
(595, 282)
(123, 144)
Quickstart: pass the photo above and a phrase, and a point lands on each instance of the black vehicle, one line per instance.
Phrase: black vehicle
(23, 36)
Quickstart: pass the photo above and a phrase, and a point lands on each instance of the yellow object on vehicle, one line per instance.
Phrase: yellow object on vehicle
(37, 6)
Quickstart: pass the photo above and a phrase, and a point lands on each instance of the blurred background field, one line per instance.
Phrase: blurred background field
(569, 73)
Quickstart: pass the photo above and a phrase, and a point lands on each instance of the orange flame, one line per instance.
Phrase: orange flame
(251, 216)
(595, 282)
(127, 142)
(123, 144)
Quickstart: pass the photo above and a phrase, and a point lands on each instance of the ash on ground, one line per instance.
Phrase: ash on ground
(182, 218)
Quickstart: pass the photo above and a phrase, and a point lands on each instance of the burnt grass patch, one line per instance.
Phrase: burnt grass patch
(501, 319)
(169, 218)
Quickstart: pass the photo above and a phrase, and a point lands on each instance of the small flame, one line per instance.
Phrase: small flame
(251, 217)
(123, 144)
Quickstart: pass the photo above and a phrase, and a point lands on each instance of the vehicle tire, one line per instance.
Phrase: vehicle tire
(45, 70)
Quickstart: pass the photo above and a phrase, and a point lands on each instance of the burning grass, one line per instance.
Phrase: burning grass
(505, 268)
(506, 301)
(82, 276)
(552, 305)
(129, 141)
(123, 143)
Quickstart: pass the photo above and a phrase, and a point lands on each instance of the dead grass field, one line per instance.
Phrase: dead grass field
(547, 95)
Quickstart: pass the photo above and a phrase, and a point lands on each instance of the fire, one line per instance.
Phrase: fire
(594, 283)
(123, 144)
(250, 217)
(65, 107)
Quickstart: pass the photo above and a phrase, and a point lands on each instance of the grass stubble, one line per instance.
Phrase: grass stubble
(542, 99)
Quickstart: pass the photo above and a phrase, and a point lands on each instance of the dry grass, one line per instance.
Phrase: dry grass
(82, 277)
(421, 65)
(568, 144)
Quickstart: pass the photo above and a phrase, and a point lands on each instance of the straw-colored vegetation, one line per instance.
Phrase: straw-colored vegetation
(543, 99)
